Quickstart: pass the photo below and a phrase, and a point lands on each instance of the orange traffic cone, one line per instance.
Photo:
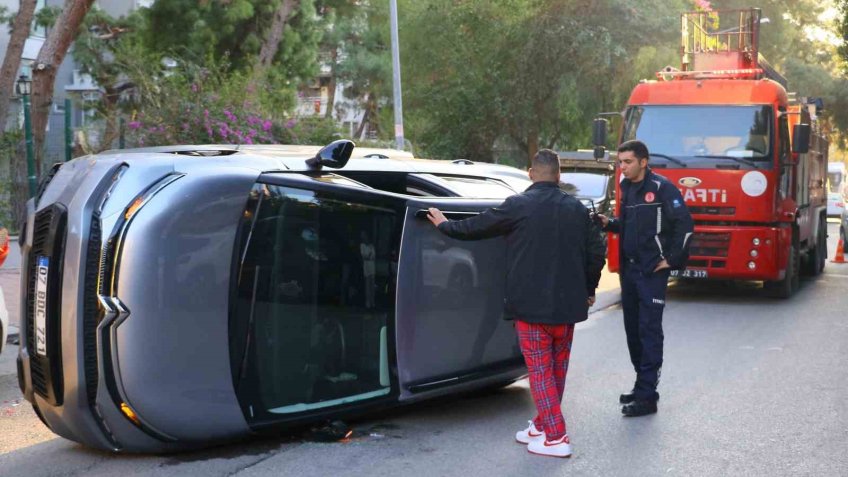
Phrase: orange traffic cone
(840, 253)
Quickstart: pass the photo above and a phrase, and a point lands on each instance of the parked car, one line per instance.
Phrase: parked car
(843, 225)
(588, 179)
(835, 204)
(207, 293)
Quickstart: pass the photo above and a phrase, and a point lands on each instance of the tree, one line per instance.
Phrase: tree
(11, 64)
(277, 37)
(526, 73)
(12, 61)
(44, 69)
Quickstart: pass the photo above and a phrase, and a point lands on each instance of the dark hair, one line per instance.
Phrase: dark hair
(637, 147)
(546, 162)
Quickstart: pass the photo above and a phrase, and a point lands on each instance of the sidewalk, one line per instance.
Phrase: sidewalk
(608, 293)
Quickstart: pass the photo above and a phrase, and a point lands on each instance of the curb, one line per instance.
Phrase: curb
(606, 299)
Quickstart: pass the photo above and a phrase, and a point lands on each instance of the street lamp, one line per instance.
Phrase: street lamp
(24, 89)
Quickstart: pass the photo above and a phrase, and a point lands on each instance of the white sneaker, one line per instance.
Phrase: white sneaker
(558, 448)
(531, 434)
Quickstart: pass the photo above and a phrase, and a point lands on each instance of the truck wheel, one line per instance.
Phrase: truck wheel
(816, 257)
(791, 281)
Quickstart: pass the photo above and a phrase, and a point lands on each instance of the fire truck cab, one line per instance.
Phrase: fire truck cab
(748, 157)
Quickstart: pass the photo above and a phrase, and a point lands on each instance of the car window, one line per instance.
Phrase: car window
(315, 293)
(478, 187)
(584, 184)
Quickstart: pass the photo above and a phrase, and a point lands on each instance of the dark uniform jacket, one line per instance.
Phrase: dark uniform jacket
(555, 253)
(658, 223)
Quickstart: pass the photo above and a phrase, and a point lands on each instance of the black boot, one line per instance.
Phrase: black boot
(639, 407)
(627, 398)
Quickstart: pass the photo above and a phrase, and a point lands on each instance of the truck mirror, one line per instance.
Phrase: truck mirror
(599, 132)
(599, 137)
(801, 138)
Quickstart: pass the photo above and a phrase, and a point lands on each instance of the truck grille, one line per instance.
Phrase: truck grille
(48, 240)
(710, 244)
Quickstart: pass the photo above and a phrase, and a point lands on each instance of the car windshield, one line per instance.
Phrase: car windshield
(704, 136)
(584, 184)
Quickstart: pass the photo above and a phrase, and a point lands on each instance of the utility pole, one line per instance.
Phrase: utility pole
(398, 103)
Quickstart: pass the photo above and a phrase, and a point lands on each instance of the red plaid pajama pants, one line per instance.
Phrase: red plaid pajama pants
(546, 349)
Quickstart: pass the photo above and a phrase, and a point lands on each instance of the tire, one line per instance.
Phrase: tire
(815, 259)
(792, 280)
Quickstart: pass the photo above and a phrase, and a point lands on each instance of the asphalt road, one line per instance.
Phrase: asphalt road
(751, 386)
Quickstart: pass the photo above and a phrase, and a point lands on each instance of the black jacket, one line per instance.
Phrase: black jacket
(554, 253)
(663, 225)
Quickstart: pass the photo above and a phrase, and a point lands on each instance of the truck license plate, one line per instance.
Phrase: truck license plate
(689, 273)
(40, 312)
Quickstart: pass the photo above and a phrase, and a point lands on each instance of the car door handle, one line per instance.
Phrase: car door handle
(456, 215)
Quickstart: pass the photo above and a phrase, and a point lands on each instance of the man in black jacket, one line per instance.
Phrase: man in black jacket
(555, 255)
(654, 230)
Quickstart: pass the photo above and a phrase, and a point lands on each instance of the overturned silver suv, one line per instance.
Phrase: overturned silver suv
(177, 297)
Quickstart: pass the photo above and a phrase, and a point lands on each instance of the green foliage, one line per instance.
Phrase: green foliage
(234, 30)
(534, 71)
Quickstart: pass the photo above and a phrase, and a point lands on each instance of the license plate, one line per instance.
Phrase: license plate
(689, 273)
(40, 312)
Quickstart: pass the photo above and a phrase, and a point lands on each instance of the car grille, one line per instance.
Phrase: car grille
(91, 311)
(48, 241)
(710, 244)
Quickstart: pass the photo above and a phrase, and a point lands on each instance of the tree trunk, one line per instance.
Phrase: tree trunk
(361, 129)
(20, 185)
(532, 145)
(331, 87)
(12, 61)
(275, 35)
(44, 69)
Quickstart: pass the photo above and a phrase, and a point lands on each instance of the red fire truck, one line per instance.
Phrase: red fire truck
(748, 157)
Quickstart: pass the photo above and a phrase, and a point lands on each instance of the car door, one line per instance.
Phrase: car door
(329, 310)
(450, 330)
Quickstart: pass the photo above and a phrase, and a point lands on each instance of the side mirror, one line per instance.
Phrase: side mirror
(335, 155)
(801, 138)
(599, 137)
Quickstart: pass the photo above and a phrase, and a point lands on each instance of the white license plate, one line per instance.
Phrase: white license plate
(40, 311)
(690, 273)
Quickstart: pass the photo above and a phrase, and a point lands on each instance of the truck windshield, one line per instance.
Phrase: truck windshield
(704, 136)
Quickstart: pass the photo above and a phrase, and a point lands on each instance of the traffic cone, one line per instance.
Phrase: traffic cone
(840, 253)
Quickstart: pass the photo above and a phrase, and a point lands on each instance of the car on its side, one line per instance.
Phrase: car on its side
(194, 295)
